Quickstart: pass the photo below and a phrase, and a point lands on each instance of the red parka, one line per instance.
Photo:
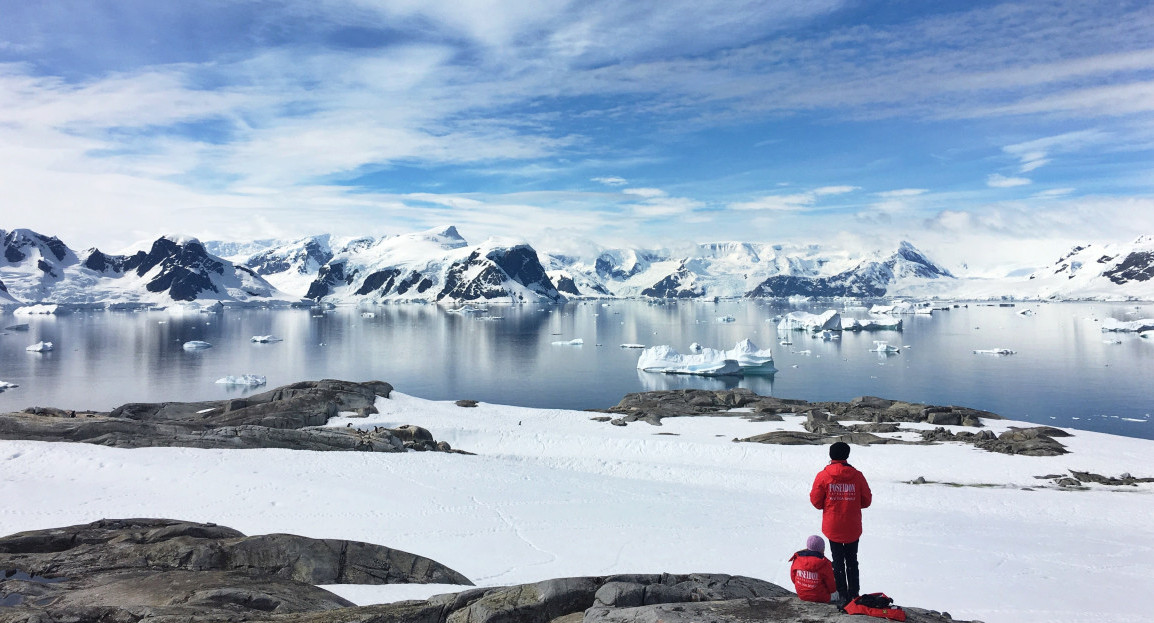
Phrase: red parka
(840, 491)
(812, 576)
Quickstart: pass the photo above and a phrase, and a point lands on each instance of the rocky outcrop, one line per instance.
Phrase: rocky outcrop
(291, 417)
(653, 406)
(197, 577)
(132, 569)
(876, 417)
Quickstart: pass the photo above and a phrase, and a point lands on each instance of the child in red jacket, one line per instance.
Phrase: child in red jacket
(812, 572)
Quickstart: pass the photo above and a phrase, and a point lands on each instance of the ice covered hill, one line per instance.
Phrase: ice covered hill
(437, 265)
(41, 269)
(553, 493)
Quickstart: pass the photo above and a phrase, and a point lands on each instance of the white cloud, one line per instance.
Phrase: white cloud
(834, 190)
(901, 192)
(610, 181)
(777, 203)
(645, 192)
(996, 180)
(1035, 154)
(1054, 192)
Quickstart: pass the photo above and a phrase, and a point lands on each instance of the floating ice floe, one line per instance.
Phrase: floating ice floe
(994, 351)
(466, 309)
(248, 380)
(36, 310)
(6, 385)
(17, 327)
(632, 346)
(1111, 341)
(744, 358)
(368, 315)
(40, 347)
(196, 345)
(902, 307)
(573, 342)
(1113, 325)
(881, 346)
(1026, 312)
(805, 321)
(266, 339)
(726, 319)
(873, 323)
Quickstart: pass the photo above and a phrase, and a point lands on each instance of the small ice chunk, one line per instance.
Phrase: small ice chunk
(881, 346)
(368, 315)
(632, 346)
(40, 347)
(726, 319)
(17, 327)
(573, 342)
(196, 345)
(248, 380)
(265, 339)
(994, 351)
(6, 385)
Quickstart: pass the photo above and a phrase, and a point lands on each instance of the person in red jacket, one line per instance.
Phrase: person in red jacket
(812, 573)
(840, 492)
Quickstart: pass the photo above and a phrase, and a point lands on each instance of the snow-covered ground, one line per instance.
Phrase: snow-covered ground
(552, 493)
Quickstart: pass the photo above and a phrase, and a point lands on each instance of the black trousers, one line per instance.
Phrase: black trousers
(845, 573)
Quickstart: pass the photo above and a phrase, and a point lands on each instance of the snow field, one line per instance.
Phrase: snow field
(552, 493)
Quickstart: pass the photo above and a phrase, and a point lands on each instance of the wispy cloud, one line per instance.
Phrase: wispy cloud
(901, 192)
(610, 181)
(1001, 181)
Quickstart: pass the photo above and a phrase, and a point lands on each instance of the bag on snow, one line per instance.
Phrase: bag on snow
(875, 605)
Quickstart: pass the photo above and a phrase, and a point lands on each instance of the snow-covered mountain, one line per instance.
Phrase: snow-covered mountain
(739, 269)
(437, 265)
(37, 268)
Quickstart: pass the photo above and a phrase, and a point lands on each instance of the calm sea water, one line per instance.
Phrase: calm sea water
(1065, 372)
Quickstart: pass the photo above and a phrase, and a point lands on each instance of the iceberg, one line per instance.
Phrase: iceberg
(368, 315)
(902, 307)
(573, 342)
(196, 345)
(994, 351)
(881, 346)
(805, 321)
(266, 339)
(6, 385)
(873, 323)
(247, 380)
(1114, 325)
(665, 359)
(36, 310)
(744, 358)
(40, 347)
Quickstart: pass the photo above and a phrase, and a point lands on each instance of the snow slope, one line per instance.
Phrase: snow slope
(552, 493)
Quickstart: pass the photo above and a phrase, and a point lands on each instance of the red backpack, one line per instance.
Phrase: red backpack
(875, 605)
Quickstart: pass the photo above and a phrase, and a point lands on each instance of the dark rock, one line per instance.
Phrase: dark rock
(130, 569)
(288, 417)
(466, 403)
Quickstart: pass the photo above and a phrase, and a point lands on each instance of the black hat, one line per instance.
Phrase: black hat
(839, 451)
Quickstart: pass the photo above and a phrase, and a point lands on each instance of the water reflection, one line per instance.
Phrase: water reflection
(1063, 368)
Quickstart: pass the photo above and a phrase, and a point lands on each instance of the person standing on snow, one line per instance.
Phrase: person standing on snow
(812, 573)
(840, 491)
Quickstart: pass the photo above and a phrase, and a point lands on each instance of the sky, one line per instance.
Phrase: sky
(990, 134)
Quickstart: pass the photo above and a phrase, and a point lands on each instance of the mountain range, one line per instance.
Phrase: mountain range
(440, 266)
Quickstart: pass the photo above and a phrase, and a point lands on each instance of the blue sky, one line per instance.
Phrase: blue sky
(985, 132)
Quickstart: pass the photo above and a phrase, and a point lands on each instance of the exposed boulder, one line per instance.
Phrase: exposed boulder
(131, 569)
